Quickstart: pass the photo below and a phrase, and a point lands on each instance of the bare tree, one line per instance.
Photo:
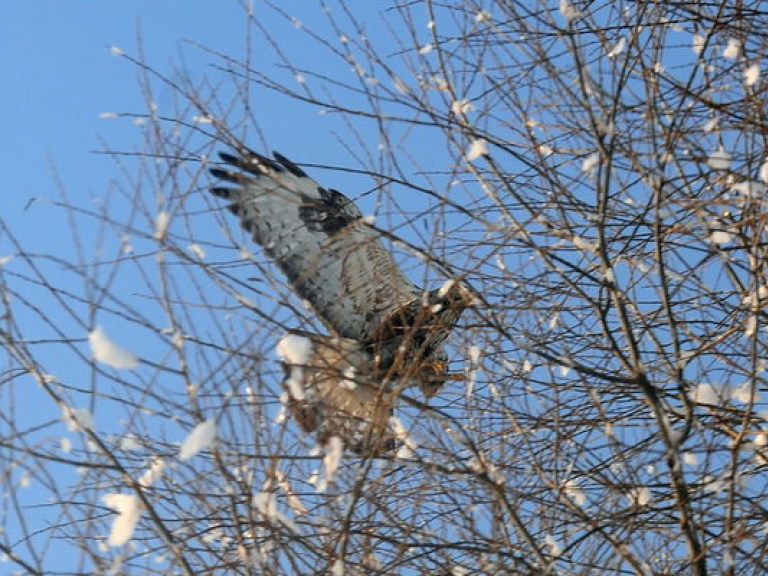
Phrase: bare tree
(595, 172)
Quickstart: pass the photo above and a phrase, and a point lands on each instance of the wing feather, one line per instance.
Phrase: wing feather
(319, 239)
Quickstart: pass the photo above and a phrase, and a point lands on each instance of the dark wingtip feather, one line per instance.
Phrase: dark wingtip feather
(220, 174)
(221, 192)
(290, 166)
(229, 158)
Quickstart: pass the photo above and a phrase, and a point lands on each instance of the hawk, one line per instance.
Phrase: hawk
(385, 332)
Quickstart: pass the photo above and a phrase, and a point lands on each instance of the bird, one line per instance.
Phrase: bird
(385, 332)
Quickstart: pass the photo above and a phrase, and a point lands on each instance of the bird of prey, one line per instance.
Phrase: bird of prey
(385, 332)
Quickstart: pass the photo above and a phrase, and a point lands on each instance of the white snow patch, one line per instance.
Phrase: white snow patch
(590, 162)
(752, 74)
(426, 49)
(338, 568)
(161, 224)
(245, 253)
(569, 11)
(720, 237)
(720, 159)
(197, 250)
(749, 188)
(108, 115)
(698, 43)
(202, 119)
(477, 148)
(711, 124)
(439, 83)
(334, 450)
(751, 299)
(129, 442)
(462, 106)
(127, 246)
(761, 439)
(474, 353)
(77, 419)
(584, 244)
(293, 500)
(107, 352)
(127, 506)
(295, 351)
(266, 503)
(527, 365)
(483, 16)
(690, 458)
(751, 326)
(555, 549)
(116, 51)
(401, 433)
(717, 394)
(153, 473)
(202, 437)
(446, 287)
(572, 489)
(640, 496)
(545, 150)
(282, 414)
(618, 48)
(733, 49)
(744, 393)
(709, 394)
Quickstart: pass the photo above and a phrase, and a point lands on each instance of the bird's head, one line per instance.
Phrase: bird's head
(453, 294)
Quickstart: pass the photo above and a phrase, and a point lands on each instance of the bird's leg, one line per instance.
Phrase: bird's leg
(434, 374)
(437, 371)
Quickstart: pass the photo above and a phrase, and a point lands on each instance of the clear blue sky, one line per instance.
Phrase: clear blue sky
(58, 76)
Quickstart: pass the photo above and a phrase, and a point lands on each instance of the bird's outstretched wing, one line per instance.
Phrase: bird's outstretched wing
(320, 240)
